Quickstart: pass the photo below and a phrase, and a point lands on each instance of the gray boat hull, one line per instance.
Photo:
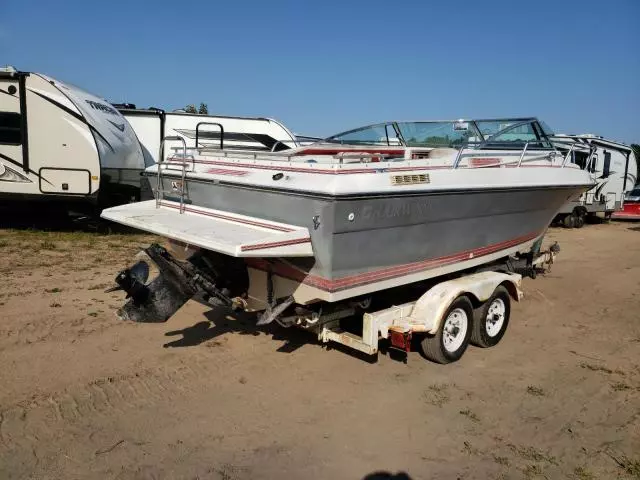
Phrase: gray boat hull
(361, 238)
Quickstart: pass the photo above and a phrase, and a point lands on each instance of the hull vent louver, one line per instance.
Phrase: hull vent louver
(410, 179)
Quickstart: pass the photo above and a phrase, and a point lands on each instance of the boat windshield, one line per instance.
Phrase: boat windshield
(381, 134)
(411, 134)
(513, 134)
(438, 134)
(506, 133)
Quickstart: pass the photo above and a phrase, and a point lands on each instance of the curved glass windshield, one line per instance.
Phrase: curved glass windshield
(513, 134)
(411, 134)
(506, 133)
(381, 134)
(438, 134)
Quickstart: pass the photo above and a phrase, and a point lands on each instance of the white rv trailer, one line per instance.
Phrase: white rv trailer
(64, 146)
(613, 168)
(204, 131)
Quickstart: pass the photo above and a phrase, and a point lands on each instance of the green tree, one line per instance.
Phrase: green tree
(203, 109)
(190, 108)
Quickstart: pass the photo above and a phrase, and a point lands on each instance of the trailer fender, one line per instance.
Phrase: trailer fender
(431, 307)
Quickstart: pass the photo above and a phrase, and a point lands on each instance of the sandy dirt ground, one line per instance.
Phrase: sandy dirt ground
(207, 395)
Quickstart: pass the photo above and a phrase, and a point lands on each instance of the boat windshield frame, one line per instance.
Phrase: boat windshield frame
(540, 134)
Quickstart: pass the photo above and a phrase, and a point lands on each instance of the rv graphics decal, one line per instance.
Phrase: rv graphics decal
(119, 126)
(8, 174)
(7, 93)
(4, 169)
(598, 191)
(102, 107)
(208, 137)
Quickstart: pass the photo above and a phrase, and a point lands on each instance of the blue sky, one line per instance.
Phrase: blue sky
(323, 67)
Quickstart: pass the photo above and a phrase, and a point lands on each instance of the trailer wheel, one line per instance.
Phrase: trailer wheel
(569, 221)
(490, 326)
(452, 338)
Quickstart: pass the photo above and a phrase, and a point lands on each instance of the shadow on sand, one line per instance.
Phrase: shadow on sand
(219, 321)
(384, 475)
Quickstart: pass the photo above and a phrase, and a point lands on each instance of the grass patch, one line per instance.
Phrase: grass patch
(4, 243)
(532, 471)
(599, 368)
(504, 461)
(536, 391)
(629, 466)
(47, 245)
(533, 454)
(470, 415)
(470, 449)
(93, 314)
(55, 305)
(436, 394)
(52, 290)
(582, 473)
(620, 387)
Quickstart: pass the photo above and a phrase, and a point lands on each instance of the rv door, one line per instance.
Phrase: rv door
(14, 155)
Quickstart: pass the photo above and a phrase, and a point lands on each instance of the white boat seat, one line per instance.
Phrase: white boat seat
(442, 152)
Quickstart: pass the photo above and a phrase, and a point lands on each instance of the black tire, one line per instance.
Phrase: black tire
(481, 335)
(569, 221)
(433, 346)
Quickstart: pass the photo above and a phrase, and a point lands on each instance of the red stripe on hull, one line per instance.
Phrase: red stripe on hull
(227, 217)
(262, 246)
(329, 285)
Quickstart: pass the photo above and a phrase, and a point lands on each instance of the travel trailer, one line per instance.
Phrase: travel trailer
(64, 147)
(203, 131)
(612, 166)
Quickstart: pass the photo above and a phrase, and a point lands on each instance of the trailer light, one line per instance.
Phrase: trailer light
(400, 340)
(94, 177)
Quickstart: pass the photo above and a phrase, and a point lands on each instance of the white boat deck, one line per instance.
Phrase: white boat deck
(216, 230)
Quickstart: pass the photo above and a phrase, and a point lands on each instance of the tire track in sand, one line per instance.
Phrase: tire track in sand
(38, 418)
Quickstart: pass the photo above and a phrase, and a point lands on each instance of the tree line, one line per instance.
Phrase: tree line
(203, 109)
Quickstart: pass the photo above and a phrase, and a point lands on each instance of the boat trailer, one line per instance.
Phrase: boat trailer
(449, 313)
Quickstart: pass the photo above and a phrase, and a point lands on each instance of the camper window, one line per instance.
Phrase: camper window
(606, 168)
(580, 159)
(10, 128)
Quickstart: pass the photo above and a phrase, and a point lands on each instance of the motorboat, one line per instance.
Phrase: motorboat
(631, 207)
(360, 212)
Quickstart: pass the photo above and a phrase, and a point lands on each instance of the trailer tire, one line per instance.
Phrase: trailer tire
(569, 221)
(491, 324)
(452, 338)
